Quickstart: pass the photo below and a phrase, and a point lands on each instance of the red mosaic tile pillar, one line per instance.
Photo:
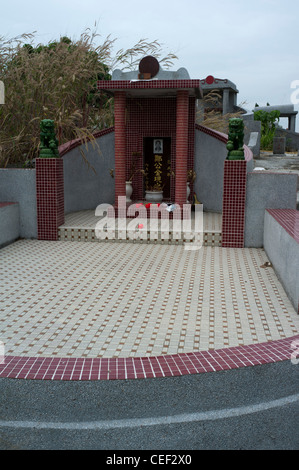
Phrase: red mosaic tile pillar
(234, 196)
(49, 196)
(182, 114)
(120, 144)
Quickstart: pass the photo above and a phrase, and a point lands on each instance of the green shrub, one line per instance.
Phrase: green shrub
(268, 128)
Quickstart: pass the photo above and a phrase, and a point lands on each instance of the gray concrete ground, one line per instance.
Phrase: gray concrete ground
(249, 408)
(288, 163)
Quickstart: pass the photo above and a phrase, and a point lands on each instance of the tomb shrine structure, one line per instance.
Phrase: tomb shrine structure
(154, 115)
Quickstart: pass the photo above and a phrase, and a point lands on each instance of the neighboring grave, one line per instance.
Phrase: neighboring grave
(279, 145)
(252, 133)
(228, 92)
(253, 138)
(286, 111)
(290, 134)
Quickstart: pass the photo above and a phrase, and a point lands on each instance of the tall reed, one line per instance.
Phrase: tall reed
(58, 81)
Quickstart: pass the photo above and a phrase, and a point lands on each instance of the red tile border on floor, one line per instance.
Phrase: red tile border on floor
(66, 369)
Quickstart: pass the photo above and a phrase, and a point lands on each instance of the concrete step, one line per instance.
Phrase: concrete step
(208, 238)
(81, 226)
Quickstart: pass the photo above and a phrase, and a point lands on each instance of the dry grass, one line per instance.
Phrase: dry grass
(215, 119)
(59, 83)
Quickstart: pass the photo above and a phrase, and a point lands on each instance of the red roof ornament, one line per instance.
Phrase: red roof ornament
(210, 80)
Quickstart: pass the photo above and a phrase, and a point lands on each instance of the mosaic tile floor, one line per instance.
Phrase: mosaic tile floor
(87, 300)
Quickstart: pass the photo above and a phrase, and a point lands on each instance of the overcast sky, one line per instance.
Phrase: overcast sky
(252, 43)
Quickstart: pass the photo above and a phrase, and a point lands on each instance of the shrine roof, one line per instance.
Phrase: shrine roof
(151, 87)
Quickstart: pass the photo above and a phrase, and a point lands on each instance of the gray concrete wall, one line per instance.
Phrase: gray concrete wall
(283, 252)
(84, 188)
(209, 156)
(266, 191)
(9, 224)
(18, 185)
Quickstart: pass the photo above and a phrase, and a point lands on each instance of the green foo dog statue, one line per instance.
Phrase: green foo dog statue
(48, 141)
(235, 139)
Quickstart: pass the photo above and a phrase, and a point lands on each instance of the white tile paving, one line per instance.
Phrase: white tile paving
(113, 299)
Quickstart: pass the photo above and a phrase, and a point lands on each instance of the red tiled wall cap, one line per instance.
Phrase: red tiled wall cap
(68, 146)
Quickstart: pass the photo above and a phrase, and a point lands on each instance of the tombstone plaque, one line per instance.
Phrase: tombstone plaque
(279, 145)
